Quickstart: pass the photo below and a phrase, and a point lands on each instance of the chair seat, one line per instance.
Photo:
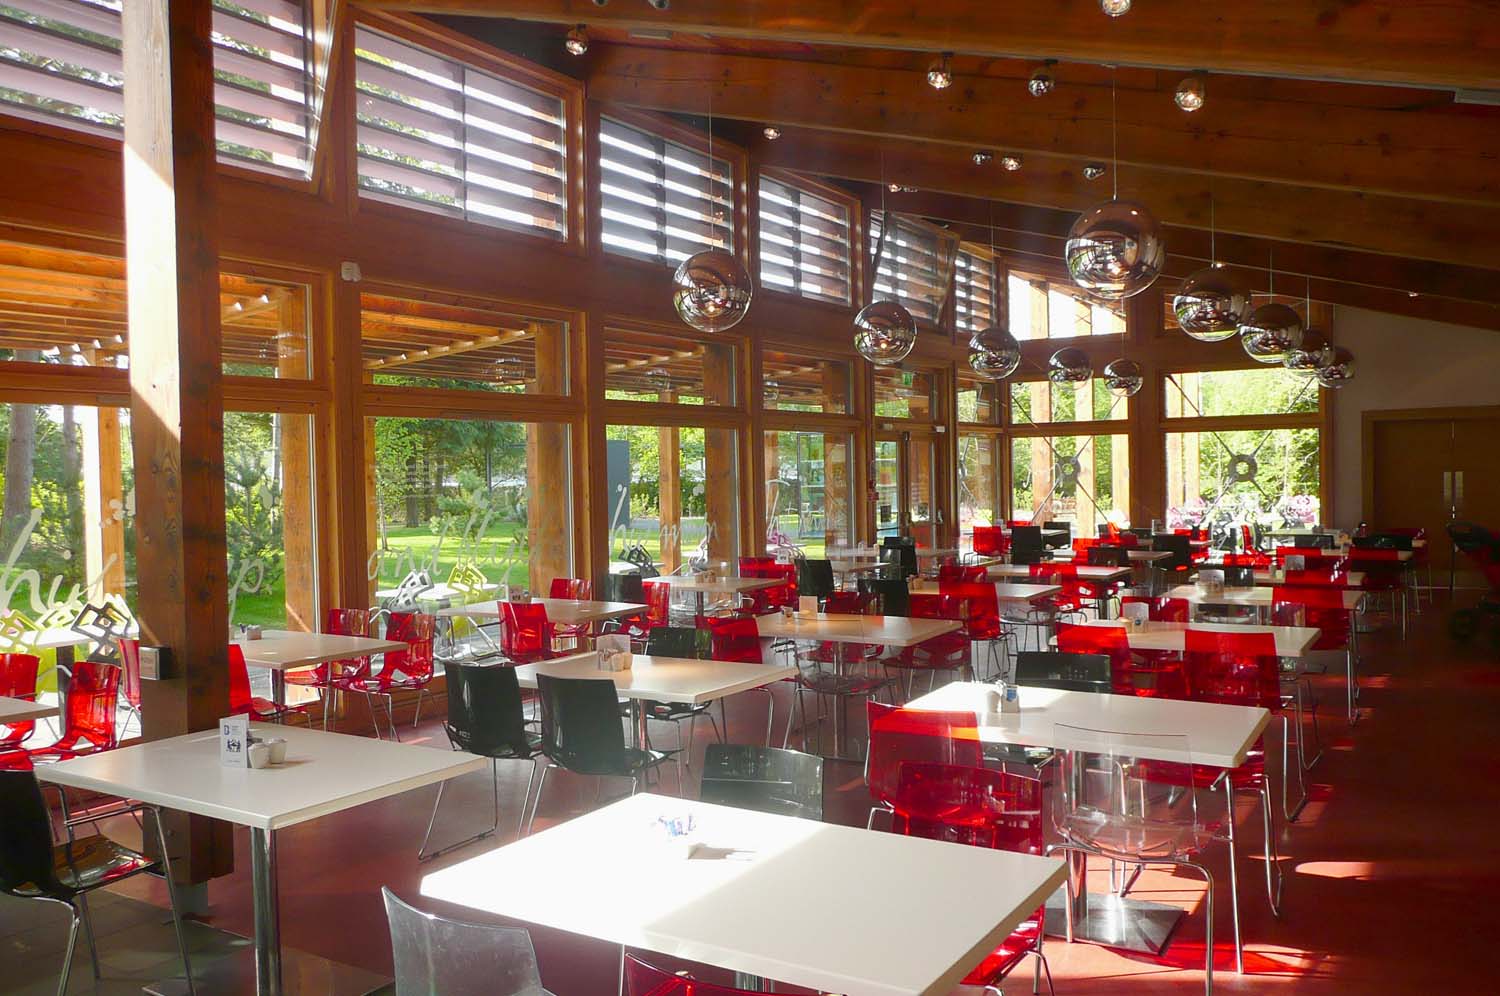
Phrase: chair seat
(828, 683)
(56, 752)
(500, 751)
(634, 760)
(1003, 960)
(89, 863)
(261, 708)
(380, 684)
(1134, 838)
(671, 711)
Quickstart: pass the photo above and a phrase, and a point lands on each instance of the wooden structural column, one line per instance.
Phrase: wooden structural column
(720, 496)
(295, 438)
(547, 466)
(176, 386)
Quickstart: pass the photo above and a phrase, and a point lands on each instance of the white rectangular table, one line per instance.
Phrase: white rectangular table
(23, 710)
(1005, 592)
(1136, 555)
(914, 915)
(280, 651)
(1219, 736)
(439, 592)
(1352, 579)
(887, 631)
(1259, 598)
(1291, 641)
(561, 611)
(662, 679)
(325, 773)
(701, 587)
(1086, 572)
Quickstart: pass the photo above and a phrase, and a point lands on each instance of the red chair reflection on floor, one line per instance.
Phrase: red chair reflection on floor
(88, 714)
(243, 702)
(17, 681)
(1112, 641)
(527, 633)
(572, 589)
(336, 622)
(408, 670)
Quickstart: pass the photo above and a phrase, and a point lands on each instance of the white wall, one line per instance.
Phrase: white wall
(1403, 363)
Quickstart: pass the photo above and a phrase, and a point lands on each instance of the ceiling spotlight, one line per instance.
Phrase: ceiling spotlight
(940, 73)
(1093, 171)
(577, 41)
(1411, 293)
(1041, 82)
(1010, 163)
(1114, 8)
(664, 4)
(771, 132)
(900, 188)
(983, 158)
(1190, 94)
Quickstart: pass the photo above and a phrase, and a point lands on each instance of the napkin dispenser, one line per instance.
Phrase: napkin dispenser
(614, 652)
(1135, 613)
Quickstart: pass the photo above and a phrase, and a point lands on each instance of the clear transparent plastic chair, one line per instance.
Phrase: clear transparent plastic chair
(1130, 797)
(437, 955)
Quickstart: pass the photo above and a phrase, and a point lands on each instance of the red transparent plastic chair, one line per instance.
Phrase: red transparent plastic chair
(337, 622)
(17, 681)
(732, 638)
(88, 713)
(242, 702)
(658, 597)
(759, 601)
(527, 634)
(408, 670)
(1385, 574)
(1326, 571)
(130, 676)
(1076, 595)
(1421, 559)
(949, 652)
(986, 808)
(1114, 798)
(845, 603)
(900, 736)
(981, 615)
(1322, 607)
(991, 541)
(1308, 553)
(1259, 561)
(834, 670)
(1111, 641)
(1158, 673)
(574, 589)
(950, 571)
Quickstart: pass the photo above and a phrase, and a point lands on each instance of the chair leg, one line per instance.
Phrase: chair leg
(537, 801)
(1208, 928)
(417, 714)
(67, 965)
(423, 855)
(88, 932)
(521, 827)
(390, 715)
(374, 723)
(1234, 878)
(1273, 859)
(166, 864)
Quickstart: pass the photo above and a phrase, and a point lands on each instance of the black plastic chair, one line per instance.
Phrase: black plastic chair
(892, 595)
(486, 716)
(1180, 547)
(1026, 545)
(815, 577)
(679, 641)
(32, 867)
(1066, 527)
(765, 779)
(897, 561)
(1108, 556)
(1069, 672)
(581, 733)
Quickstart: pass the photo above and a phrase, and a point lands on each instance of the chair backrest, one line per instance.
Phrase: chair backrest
(1317, 606)
(970, 805)
(434, 954)
(239, 680)
(673, 641)
(581, 723)
(629, 588)
(345, 622)
(642, 979)
(1232, 668)
(1066, 527)
(578, 589)
(815, 577)
(528, 632)
(898, 735)
(953, 571)
(991, 541)
(25, 835)
(130, 670)
(1180, 547)
(1160, 608)
(903, 557)
(849, 603)
(892, 595)
(1069, 672)
(979, 605)
(657, 597)
(765, 779)
(1107, 800)
(17, 681)
(732, 638)
(1108, 556)
(1111, 641)
(1312, 553)
(89, 712)
(1026, 544)
(416, 630)
(486, 714)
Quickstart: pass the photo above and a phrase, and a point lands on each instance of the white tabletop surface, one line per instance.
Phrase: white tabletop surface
(440, 591)
(324, 773)
(1085, 572)
(280, 650)
(563, 611)
(21, 710)
(1004, 591)
(912, 917)
(666, 679)
(1139, 554)
(1260, 597)
(54, 639)
(887, 631)
(1218, 735)
(1291, 641)
(1352, 579)
(718, 586)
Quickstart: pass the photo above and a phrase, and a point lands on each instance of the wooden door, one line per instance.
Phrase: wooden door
(1476, 481)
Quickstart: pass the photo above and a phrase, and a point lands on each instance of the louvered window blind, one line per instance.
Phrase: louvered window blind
(438, 134)
(914, 265)
(60, 62)
(973, 292)
(660, 200)
(804, 242)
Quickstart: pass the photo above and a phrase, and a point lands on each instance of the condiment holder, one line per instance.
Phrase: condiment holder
(614, 653)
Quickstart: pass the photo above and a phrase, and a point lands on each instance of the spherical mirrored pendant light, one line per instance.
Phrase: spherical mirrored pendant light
(1270, 332)
(1115, 250)
(994, 353)
(1124, 378)
(1069, 366)
(884, 333)
(1311, 353)
(1042, 81)
(711, 291)
(1211, 304)
(1339, 370)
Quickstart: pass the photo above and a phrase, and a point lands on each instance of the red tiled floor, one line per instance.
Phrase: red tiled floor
(1388, 868)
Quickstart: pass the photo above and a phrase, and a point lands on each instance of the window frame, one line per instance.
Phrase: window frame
(854, 214)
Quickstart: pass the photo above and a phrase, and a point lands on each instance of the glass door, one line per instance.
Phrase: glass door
(905, 500)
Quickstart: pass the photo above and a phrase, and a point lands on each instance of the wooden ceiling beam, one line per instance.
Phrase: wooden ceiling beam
(1454, 233)
(1440, 43)
(1445, 153)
